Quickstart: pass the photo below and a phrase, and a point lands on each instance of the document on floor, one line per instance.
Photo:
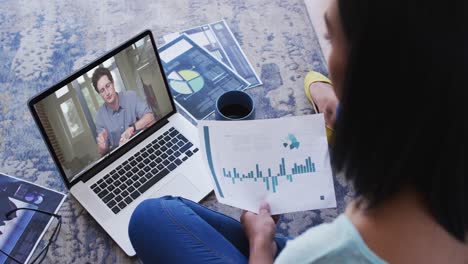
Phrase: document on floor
(21, 231)
(195, 77)
(284, 162)
(219, 40)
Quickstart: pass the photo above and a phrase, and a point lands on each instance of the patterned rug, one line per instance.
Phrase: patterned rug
(44, 41)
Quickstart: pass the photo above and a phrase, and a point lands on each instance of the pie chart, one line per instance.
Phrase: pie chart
(186, 81)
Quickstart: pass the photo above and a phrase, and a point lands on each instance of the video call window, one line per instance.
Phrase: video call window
(105, 108)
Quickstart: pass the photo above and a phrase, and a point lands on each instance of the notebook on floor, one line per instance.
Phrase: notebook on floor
(116, 137)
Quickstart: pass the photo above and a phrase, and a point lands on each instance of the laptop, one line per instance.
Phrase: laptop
(116, 137)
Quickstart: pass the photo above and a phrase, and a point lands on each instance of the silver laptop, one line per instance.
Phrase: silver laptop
(116, 137)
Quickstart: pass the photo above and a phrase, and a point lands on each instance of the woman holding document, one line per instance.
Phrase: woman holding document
(399, 72)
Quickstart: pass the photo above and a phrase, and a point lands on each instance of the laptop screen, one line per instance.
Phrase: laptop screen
(104, 108)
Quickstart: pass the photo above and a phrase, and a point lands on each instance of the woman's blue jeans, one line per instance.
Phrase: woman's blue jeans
(177, 230)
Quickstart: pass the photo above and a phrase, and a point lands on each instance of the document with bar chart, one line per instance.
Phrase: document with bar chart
(284, 162)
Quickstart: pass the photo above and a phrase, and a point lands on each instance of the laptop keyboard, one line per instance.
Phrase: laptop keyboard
(141, 171)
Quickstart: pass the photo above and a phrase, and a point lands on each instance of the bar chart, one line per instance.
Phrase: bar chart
(279, 161)
(269, 178)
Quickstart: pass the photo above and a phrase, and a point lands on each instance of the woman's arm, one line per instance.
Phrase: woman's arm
(260, 230)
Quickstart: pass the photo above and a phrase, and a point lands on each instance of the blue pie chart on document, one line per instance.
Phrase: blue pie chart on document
(186, 81)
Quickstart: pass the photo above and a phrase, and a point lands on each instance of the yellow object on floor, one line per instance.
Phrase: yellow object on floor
(310, 78)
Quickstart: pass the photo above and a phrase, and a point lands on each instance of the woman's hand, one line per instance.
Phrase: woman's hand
(260, 230)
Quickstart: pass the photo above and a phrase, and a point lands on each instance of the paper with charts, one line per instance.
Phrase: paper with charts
(218, 39)
(21, 233)
(195, 77)
(284, 162)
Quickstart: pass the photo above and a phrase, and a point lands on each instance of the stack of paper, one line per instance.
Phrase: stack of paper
(21, 232)
(202, 63)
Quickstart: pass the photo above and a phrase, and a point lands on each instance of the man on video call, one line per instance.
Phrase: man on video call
(121, 116)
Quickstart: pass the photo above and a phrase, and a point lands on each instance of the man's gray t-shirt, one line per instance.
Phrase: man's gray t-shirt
(131, 109)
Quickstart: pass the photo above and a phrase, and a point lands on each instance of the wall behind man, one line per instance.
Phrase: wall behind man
(80, 150)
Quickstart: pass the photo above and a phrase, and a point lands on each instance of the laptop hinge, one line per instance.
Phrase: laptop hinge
(121, 151)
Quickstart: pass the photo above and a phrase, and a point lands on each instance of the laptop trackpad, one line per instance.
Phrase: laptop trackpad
(179, 186)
